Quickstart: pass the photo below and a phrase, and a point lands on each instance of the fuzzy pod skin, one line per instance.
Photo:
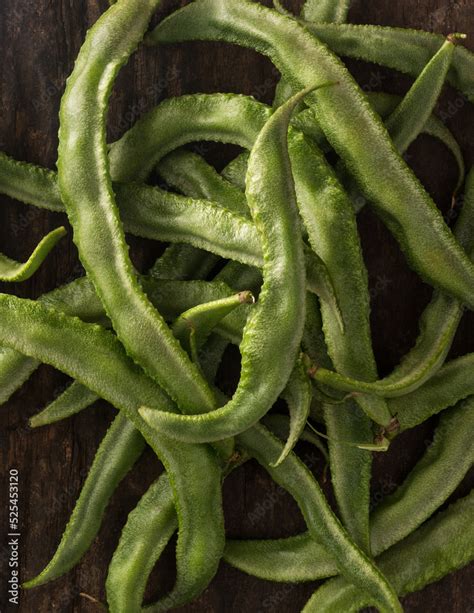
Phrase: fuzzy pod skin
(430, 483)
(396, 194)
(452, 382)
(193, 327)
(294, 476)
(86, 189)
(99, 362)
(325, 11)
(402, 49)
(408, 119)
(442, 545)
(148, 530)
(279, 314)
(191, 175)
(11, 271)
(119, 450)
(74, 399)
(438, 325)
(298, 395)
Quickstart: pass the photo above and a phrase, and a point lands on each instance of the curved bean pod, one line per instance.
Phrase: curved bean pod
(86, 190)
(119, 450)
(148, 530)
(279, 425)
(11, 271)
(402, 49)
(193, 327)
(74, 399)
(442, 545)
(408, 119)
(333, 234)
(452, 382)
(298, 396)
(185, 262)
(438, 326)
(193, 176)
(323, 525)
(273, 332)
(433, 479)
(397, 195)
(193, 470)
(448, 458)
(236, 170)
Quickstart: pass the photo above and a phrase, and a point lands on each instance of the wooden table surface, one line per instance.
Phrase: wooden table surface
(39, 40)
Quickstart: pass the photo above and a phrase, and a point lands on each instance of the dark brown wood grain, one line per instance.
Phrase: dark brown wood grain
(39, 40)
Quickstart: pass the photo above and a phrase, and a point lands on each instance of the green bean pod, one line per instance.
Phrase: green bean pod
(430, 483)
(401, 49)
(11, 271)
(397, 195)
(190, 174)
(193, 327)
(294, 476)
(408, 119)
(438, 325)
(99, 362)
(74, 399)
(298, 396)
(185, 262)
(443, 544)
(148, 530)
(86, 190)
(273, 331)
(117, 453)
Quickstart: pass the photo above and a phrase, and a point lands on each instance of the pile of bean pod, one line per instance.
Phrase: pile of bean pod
(279, 223)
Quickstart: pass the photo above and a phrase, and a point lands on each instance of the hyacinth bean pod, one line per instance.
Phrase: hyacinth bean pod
(193, 327)
(279, 313)
(191, 175)
(148, 530)
(298, 396)
(194, 470)
(86, 190)
(433, 479)
(408, 119)
(443, 544)
(74, 399)
(438, 325)
(11, 271)
(397, 195)
(119, 450)
(323, 525)
(402, 49)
